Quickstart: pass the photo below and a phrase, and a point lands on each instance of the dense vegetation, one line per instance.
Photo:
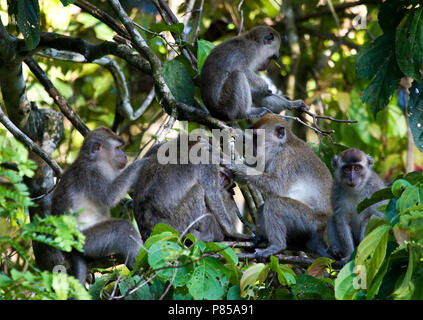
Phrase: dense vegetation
(370, 70)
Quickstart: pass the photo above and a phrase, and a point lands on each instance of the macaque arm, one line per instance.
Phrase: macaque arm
(110, 193)
(277, 103)
(344, 235)
(258, 86)
(270, 184)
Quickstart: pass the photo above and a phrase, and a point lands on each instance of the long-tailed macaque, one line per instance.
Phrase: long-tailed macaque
(354, 181)
(230, 86)
(296, 187)
(95, 182)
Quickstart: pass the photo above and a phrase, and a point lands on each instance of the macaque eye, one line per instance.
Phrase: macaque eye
(268, 38)
(357, 168)
(279, 132)
(347, 169)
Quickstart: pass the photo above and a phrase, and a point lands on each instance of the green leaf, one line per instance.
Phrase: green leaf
(203, 50)
(254, 276)
(372, 251)
(234, 293)
(311, 288)
(286, 276)
(406, 288)
(209, 280)
(344, 283)
(391, 13)
(177, 28)
(128, 283)
(179, 81)
(163, 254)
(378, 61)
(317, 268)
(224, 250)
(409, 44)
(28, 17)
(376, 197)
(415, 113)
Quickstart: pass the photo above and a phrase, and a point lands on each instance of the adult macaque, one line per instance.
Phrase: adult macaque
(230, 86)
(180, 194)
(94, 183)
(296, 187)
(354, 181)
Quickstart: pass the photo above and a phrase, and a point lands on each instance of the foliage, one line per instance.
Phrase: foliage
(387, 263)
(19, 277)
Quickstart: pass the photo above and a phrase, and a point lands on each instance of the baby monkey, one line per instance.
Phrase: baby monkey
(230, 86)
(354, 181)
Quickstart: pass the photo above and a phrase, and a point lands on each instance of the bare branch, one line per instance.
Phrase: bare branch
(57, 97)
(22, 137)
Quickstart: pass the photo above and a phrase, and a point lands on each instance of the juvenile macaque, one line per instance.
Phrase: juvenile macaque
(296, 187)
(230, 86)
(354, 181)
(94, 183)
(178, 194)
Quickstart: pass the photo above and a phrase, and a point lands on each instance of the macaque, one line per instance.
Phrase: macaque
(230, 86)
(179, 194)
(95, 182)
(296, 188)
(354, 181)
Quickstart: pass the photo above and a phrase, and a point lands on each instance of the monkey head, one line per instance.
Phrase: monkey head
(277, 134)
(103, 146)
(269, 41)
(352, 167)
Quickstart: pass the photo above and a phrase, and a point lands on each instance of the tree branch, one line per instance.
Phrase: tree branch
(57, 97)
(22, 137)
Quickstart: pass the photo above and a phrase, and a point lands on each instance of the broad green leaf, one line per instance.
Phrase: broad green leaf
(179, 81)
(162, 227)
(234, 293)
(373, 223)
(224, 250)
(209, 280)
(409, 198)
(286, 276)
(415, 113)
(409, 44)
(378, 62)
(129, 283)
(376, 197)
(406, 288)
(177, 28)
(391, 13)
(203, 50)
(318, 267)
(253, 276)
(372, 251)
(311, 288)
(162, 255)
(344, 283)
(28, 17)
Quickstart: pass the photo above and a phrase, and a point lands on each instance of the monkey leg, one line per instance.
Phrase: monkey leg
(47, 257)
(236, 100)
(288, 219)
(278, 103)
(334, 243)
(117, 237)
(345, 235)
(79, 267)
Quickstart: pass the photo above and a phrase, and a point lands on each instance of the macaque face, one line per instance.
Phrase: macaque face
(352, 174)
(119, 156)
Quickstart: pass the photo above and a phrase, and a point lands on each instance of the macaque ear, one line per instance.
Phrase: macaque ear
(279, 132)
(95, 147)
(370, 160)
(268, 38)
(334, 162)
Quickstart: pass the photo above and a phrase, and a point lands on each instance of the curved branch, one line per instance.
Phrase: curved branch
(22, 137)
(57, 97)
